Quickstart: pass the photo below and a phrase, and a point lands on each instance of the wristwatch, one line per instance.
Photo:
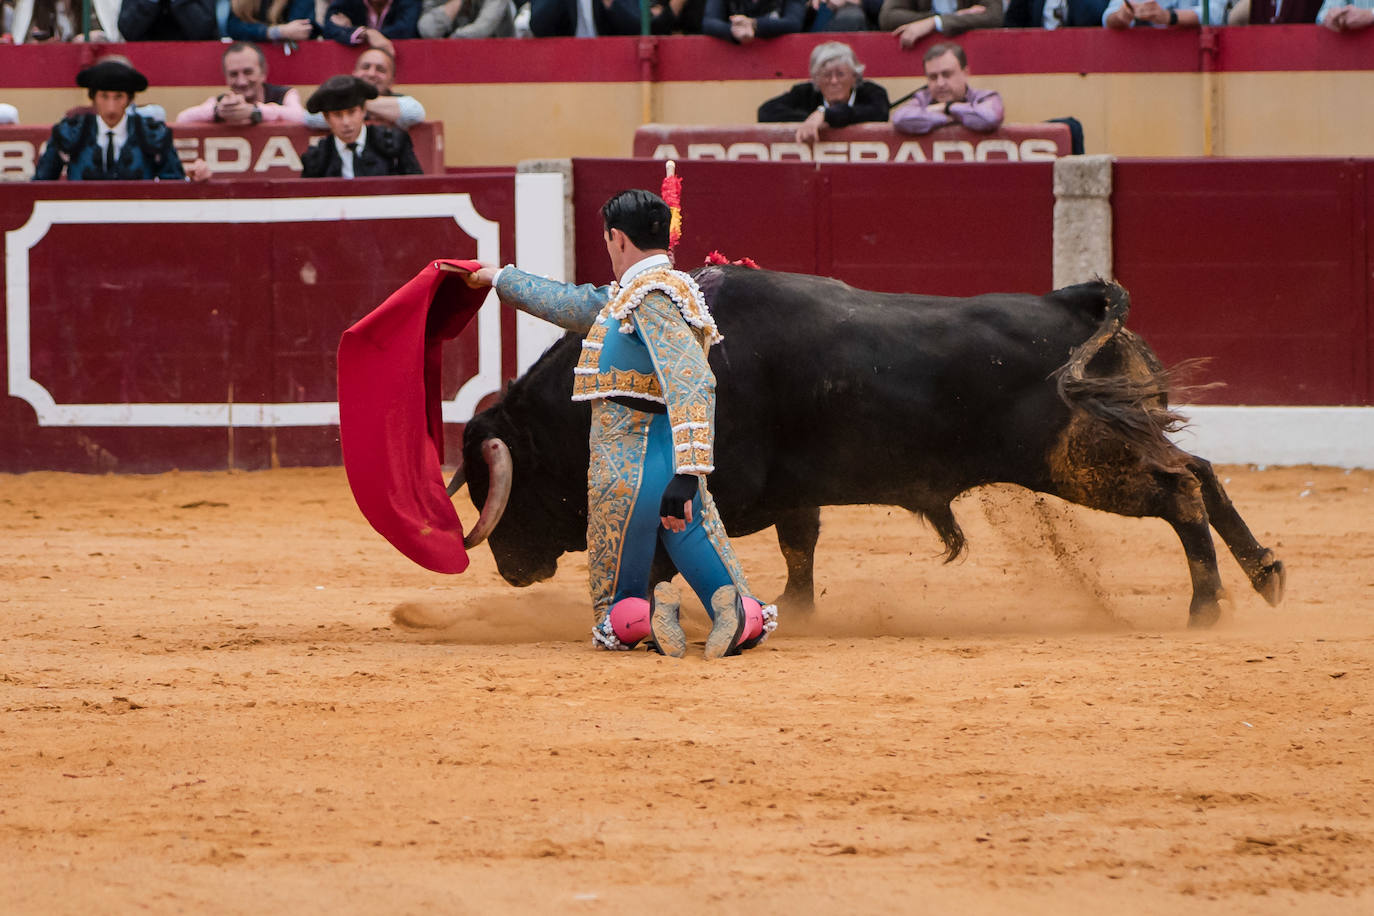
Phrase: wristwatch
(1173, 17)
(256, 116)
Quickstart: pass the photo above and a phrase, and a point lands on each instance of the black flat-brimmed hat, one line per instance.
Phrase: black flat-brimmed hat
(340, 93)
(112, 76)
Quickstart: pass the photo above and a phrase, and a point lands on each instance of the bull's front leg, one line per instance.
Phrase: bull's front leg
(798, 530)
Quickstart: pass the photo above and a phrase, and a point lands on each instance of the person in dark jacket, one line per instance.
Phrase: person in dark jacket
(375, 23)
(271, 20)
(742, 21)
(837, 95)
(570, 19)
(112, 142)
(1058, 14)
(168, 20)
(353, 149)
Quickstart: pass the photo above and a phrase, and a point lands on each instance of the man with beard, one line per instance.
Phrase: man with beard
(377, 67)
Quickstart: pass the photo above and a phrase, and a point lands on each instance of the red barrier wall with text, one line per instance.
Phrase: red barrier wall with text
(245, 153)
(856, 143)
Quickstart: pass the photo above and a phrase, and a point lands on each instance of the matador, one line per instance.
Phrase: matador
(644, 370)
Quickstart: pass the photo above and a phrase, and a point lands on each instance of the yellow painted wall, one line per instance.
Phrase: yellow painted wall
(1124, 114)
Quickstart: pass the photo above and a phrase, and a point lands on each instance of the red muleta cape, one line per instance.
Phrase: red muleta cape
(390, 417)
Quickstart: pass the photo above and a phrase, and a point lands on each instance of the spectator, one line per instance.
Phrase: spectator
(377, 67)
(1161, 14)
(1346, 15)
(1273, 12)
(844, 15)
(742, 21)
(467, 19)
(132, 147)
(912, 20)
(35, 21)
(354, 150)
(837, 95)
(271, 20)
(168, 20)
(250, 99)
(375, 23)
(146, 110)
(947, 98)
(589, 18)
(1053, 14)
(8, 114)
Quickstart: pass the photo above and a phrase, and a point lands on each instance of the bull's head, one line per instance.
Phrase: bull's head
(532, 509)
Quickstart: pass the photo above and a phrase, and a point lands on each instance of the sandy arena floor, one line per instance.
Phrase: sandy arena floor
(224, 693)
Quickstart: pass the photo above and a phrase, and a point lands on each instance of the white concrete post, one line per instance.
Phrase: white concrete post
(1082, 219)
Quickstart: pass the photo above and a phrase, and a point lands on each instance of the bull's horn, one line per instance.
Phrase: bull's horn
(460, 477)
(497, 456)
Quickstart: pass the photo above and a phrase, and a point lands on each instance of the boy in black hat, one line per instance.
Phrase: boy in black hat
(113, 143)
(354, 150)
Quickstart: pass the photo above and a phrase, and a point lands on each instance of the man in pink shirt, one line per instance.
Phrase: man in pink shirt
(250, 99)
(947, 97)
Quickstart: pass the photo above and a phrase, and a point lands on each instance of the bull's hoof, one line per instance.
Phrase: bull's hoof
(790, 604)
(1204, 614)
(1272, 579)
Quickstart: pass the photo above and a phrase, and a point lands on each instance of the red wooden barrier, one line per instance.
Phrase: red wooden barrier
(165, 325)
(1261, 265)
(264, 151)
(957, 230)
(157, 325)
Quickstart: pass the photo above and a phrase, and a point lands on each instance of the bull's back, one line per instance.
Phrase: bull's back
(859, 396)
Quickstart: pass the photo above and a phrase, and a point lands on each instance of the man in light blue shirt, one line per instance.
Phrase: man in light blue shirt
(1346, 15)
(1162, 14)
(377, 67)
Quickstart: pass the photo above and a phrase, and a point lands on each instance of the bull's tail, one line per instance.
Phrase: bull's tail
(1130, 396)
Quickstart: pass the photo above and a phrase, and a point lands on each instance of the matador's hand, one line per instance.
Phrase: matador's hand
(675, 508)
(480, 278)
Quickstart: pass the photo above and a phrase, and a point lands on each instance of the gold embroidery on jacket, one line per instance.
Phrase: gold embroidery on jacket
(590, 382)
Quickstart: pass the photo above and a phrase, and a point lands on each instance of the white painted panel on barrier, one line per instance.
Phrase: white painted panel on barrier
(540, 237)
(1333, 436)
(49, 213)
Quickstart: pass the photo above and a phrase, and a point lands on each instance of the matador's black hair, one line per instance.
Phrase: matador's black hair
(641, 215)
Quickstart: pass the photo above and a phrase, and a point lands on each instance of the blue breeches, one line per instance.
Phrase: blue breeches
(631, 463)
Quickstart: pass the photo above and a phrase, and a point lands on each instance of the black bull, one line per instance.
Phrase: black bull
(829, 395)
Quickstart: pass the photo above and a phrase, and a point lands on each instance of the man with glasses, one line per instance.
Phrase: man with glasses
(837, 95)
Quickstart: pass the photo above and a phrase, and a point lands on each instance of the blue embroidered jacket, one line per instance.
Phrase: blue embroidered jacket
(75, 146)
(647, 341)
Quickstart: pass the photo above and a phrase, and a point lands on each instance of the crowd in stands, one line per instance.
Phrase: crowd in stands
(113, 138)
(378, 23)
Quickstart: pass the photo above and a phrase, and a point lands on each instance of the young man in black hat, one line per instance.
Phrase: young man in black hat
(354, 149)
(113, 143)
